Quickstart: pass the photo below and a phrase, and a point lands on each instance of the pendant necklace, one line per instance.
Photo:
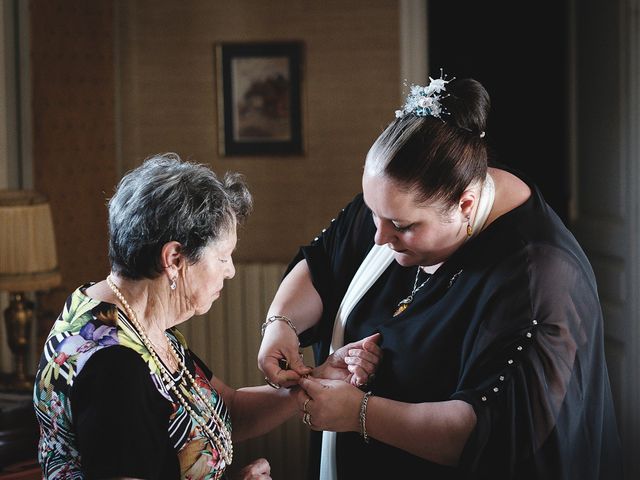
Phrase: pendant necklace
(405, 302)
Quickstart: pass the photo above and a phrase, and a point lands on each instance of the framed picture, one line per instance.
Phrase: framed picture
(259, 98)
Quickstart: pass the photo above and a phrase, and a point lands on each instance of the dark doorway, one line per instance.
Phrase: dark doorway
(518, 51)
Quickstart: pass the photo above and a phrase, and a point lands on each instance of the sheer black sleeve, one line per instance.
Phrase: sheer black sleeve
(534, 372)
(121, 419)
(333, 257)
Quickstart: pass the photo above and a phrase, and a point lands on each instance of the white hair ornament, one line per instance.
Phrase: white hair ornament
(424, 101)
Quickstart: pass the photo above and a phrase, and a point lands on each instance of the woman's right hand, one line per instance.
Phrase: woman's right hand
(257, 470)
(280, 343)
(355, 363)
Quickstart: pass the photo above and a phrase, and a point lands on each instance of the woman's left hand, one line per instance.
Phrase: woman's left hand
(354, 363)
(257, 470)
(331, 405)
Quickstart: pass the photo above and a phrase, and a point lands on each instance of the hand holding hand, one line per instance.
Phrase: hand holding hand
(280, 343)
(332, 405)
(354, 363)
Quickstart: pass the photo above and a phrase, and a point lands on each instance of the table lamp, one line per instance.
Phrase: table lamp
(28, 262)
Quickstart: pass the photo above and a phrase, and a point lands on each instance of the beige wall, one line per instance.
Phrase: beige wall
(351, 89)
(72, 81)
(115, 81)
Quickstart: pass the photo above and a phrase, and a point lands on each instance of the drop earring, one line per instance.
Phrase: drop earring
(173, 285)
(469, 228)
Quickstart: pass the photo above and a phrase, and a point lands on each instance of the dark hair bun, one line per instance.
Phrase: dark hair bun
(468, 105)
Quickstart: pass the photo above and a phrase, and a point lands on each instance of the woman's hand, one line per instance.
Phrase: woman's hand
(257, 470)
(331, 405)
(280, 344)
(354, 363)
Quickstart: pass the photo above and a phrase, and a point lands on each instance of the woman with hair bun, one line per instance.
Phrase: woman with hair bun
(491, 328)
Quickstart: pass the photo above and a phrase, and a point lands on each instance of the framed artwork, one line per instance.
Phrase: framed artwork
(259, 98)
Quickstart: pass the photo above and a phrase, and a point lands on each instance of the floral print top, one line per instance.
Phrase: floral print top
(85, 327)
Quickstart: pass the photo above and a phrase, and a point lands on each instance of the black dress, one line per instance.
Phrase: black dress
(510, 323)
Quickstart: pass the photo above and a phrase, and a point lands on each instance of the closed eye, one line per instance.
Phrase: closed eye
(400, 228)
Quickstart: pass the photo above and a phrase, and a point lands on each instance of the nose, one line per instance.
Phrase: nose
(230, 270)
(383, 234)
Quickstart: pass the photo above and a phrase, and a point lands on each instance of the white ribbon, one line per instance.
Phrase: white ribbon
(375, 263)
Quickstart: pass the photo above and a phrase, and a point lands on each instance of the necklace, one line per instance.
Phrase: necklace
(182, 391)
(405, 302)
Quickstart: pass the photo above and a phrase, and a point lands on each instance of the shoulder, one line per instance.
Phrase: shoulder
(352, 222)
(84, 327)
(556, 261)
(545, 282)
(354, 210)
(559, 272)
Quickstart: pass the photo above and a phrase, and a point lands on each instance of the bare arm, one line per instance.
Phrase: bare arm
(256, 410)
(298, 300)
(435, 431)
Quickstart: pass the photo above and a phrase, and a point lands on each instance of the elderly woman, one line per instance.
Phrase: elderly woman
(118, 393)
(491, 326)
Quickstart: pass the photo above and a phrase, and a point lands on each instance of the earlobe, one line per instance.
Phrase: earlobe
(171, 258)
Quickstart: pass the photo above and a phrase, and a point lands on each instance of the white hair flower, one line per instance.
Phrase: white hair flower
(424, 101)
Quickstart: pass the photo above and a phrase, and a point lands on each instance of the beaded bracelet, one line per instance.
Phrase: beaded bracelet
(363, 417)
(274, 318)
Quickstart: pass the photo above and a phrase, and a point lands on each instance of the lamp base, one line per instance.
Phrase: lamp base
(18, 319)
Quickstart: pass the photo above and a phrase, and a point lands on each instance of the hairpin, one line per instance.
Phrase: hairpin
(424, 101)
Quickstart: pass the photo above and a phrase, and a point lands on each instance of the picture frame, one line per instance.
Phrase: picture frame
(259, 98)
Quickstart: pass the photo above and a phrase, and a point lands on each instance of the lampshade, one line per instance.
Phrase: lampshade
(28, 258)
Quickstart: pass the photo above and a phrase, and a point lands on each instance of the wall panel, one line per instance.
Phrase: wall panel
(73, 130)
(351, 86)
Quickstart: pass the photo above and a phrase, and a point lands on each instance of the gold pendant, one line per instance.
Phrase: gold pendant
(402, 306)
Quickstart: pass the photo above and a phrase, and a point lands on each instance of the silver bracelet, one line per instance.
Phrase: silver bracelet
(274, 318)
(363, 417)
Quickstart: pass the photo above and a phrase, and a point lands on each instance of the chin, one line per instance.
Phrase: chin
(412, 260)
(405, 260)
(202, 310)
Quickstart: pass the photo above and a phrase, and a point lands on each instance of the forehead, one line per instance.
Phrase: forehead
(388, 199)
(226, 241)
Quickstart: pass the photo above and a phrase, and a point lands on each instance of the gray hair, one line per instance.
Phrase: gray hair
(166, 199)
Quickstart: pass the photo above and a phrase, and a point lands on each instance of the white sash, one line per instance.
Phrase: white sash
(376, 262)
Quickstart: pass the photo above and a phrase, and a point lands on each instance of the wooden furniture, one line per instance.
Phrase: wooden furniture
(26, 470)
(19, 435)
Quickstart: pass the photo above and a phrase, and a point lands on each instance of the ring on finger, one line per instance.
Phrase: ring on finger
(304, 407)
(306, 419)
(271, 384)
(283, 363)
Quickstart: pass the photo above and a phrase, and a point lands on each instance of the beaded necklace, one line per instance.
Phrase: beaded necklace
(224, 446)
